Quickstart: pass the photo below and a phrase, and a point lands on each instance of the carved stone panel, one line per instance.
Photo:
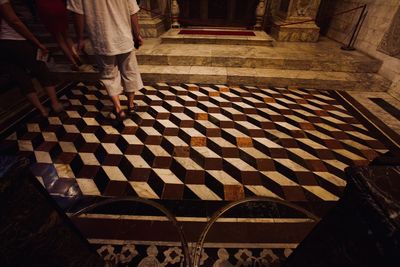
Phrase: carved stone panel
(390, 43)
(304, 8)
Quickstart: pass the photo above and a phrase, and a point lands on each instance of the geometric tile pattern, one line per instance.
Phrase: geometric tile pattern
(199, 142)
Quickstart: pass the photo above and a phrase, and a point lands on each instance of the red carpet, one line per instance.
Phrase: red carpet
(211, 32)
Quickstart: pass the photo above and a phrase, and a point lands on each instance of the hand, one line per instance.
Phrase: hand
(44, 49)
(139, 40)
(81, 45)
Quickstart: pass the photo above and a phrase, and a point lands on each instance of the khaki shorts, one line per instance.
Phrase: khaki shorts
(120, 73)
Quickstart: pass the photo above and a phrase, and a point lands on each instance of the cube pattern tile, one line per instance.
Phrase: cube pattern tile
(199, 142)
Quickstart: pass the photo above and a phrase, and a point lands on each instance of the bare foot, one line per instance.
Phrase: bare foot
(58, 107)
(45, 112)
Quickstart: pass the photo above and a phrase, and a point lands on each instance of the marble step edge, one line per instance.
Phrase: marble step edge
(361, 66)
(248, 76)
(221, 40)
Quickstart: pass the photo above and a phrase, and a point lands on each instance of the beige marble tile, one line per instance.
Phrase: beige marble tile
(64, 171)
(68, 147)
(109, 129)
(332, 178)
(321, 193)
(302, 153)
(90, 138)
(167, 176)
(188, 163)
(89, 159)
(25, 145)
(43, 157)
(88, 187)
(114, 173)
(90, 121)
(203, 192)
(336, 163)
(49, 137)
(288, 163)
(143, 190)
(279, 178)
(71, 128)
(33, 127)
(348, 154)
(261, 191)
(223, 177)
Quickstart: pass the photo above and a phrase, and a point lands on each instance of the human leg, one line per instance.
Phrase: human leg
(24, 83)
(130, 76)
(111, 78)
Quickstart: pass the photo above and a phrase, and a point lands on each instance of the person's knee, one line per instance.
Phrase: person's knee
(43, 74)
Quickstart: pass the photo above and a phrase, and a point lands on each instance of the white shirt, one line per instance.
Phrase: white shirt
(108, 23)
(6, 31)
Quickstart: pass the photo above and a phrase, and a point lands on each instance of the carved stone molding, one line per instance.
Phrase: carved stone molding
(390, 43)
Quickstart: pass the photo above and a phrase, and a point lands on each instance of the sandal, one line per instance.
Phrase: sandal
(132, 110)
(119, 116)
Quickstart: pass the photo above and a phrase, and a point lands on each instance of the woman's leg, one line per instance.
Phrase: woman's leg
(24, 83)
(55, 104)
(67, 50)
(34, 99)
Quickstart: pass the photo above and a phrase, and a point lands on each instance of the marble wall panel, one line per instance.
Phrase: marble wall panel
(378, 22)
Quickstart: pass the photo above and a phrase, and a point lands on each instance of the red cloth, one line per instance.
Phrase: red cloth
(53, 14)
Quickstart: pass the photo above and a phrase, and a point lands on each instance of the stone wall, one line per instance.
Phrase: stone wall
(381, 21)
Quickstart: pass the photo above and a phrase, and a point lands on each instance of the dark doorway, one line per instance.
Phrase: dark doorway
(218, 13)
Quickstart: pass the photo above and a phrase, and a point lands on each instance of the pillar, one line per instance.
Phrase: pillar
(175, 14)
(294, 11)
(260, 15)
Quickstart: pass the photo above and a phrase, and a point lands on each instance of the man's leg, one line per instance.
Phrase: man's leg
(130, 75)
(111, 79)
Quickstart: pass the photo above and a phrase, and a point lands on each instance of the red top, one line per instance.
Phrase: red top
(53, 14)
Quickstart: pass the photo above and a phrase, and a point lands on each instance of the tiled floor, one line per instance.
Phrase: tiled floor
(194, 148)
(204, 143)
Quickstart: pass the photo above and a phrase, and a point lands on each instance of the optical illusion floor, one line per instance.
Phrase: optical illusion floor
(193, 149)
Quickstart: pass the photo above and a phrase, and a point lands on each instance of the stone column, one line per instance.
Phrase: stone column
(151, 19)
(175, 14)
(293, 11)
(260, 14)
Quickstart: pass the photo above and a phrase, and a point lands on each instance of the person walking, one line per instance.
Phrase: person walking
(53, 14)
(113, 28)
(18, 52)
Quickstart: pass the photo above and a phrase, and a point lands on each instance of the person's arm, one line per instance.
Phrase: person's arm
(8, 14)
(80, 28)
(76, 7)
(136, 29)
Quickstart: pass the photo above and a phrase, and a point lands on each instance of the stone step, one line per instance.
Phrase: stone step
(246, 76)
(172, 36)
(249, 57)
